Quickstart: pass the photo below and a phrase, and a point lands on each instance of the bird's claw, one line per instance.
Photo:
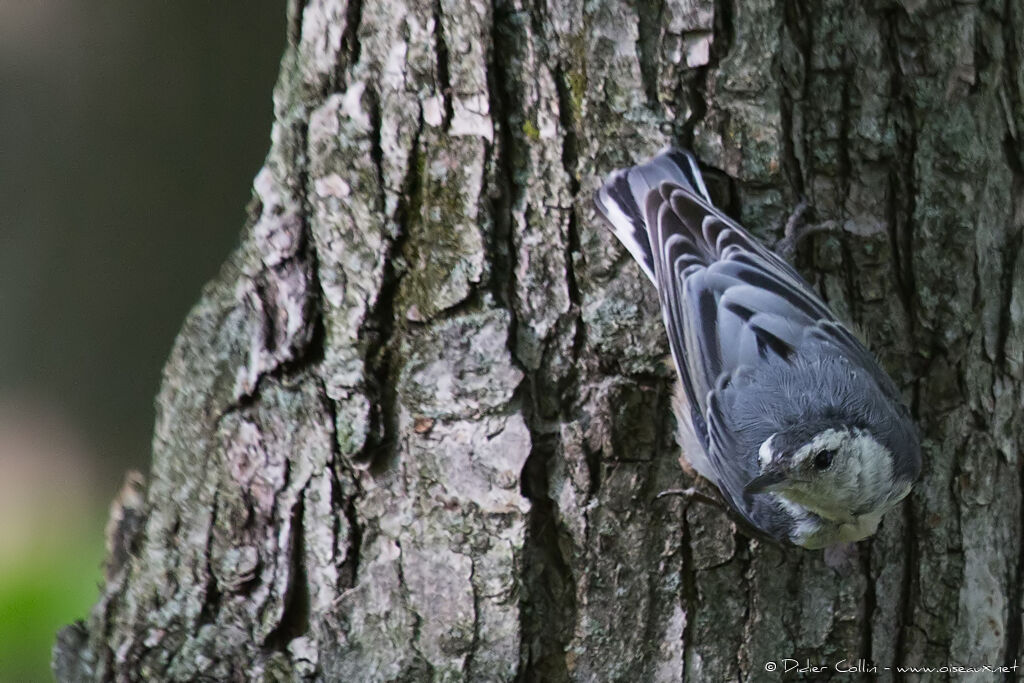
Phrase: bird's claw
(797, 230)
(693, 495)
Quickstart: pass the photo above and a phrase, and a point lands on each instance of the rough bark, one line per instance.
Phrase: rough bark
(415, 428)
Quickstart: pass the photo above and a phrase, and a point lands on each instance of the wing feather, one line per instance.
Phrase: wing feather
(729, 304)
(622, 199)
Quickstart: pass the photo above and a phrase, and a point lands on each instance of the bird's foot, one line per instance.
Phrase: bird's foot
(691, 494)
(798, 229)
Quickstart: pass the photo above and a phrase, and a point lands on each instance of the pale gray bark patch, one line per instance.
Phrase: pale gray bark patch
(416, 427)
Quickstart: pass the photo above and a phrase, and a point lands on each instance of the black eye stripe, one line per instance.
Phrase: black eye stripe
(823, 460)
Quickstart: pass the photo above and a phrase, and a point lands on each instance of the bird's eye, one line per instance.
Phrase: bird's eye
(823, 460)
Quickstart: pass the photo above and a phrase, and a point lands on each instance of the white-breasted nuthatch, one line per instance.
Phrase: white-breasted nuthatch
(778, 404)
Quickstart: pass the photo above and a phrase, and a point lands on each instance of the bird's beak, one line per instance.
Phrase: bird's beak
(764, 482)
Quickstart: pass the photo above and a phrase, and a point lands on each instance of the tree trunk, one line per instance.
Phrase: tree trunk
(416, 427)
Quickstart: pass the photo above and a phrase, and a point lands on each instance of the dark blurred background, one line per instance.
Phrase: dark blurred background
(129, 136)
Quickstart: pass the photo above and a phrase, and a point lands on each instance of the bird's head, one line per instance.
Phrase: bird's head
(836, 471)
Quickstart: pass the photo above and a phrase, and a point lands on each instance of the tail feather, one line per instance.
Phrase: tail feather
(623, 198)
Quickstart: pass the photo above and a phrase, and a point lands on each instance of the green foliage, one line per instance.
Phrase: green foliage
(48, 587)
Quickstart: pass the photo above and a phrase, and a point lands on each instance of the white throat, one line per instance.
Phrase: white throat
(764, 453)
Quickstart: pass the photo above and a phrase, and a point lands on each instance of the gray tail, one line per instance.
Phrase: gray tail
(621, 200)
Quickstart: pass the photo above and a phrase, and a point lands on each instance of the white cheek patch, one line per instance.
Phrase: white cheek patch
(764, 453)
(873, 469)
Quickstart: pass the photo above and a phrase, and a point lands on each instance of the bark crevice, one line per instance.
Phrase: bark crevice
(649, 28)
(294, 619)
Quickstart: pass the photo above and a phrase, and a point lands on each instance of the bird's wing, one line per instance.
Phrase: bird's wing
(728, 302)
(730, 305)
